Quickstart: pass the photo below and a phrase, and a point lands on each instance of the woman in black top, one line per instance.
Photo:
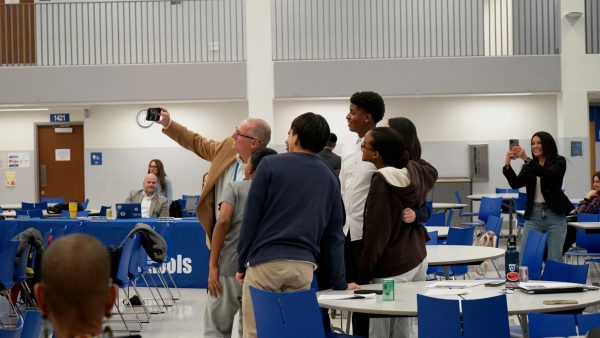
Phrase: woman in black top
(542, 176)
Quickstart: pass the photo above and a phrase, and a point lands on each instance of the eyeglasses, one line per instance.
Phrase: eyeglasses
(152, 166)
(363, 146)
(237, 134)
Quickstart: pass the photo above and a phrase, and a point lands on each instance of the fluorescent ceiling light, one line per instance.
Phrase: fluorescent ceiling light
(24, 109)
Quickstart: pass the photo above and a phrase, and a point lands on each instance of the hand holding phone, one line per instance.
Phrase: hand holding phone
(153, 114)
(511, 144)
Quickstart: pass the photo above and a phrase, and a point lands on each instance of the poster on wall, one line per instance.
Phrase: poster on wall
(10, 178)
(62, 154)
(18, 160)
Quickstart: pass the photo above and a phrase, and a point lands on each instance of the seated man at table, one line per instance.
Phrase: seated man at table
(76, 292)
(153, 205)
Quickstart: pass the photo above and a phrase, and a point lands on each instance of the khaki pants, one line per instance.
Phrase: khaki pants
(273, 276)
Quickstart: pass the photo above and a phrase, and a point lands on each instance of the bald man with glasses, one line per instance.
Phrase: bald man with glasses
(227, 159)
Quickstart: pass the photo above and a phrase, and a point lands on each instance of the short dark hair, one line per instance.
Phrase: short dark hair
(258, 155)
(332, 140)
(370, 102)
(408, 133)
(596, 174)
(549, 149)
(312, 131)
(388, 143)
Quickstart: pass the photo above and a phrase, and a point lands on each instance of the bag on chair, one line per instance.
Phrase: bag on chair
(485, 238)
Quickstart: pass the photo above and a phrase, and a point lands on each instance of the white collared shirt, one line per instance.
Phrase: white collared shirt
(234, 173)
(355, 180)
(146, 202)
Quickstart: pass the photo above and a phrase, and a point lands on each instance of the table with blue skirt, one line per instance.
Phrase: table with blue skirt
(187, 251)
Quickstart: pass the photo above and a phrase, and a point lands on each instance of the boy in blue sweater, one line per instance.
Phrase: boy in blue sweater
(294, 208)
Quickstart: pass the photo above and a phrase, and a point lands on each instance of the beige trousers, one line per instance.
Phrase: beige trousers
(273, 276)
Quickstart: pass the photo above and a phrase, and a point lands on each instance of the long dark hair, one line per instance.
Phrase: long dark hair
(161, 172)
(408, 133)
(549, 149)
(388, 143)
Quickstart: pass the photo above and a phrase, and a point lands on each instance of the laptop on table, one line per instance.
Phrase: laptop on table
(129, 210)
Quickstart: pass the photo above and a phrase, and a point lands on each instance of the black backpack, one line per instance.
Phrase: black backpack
(175, 209)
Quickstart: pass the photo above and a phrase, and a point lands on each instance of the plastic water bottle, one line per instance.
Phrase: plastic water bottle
(109, 213)
(511, 261)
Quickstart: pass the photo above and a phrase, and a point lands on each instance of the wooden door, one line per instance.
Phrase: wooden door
(17, 32)
(60, 160)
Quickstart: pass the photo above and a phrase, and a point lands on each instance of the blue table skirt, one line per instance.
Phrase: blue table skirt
(187, 250)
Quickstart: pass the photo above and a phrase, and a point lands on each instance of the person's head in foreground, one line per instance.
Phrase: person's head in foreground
(76, 291)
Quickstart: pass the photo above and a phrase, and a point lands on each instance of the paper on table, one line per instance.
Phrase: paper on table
(346, 296)
(444, 292)
(455, 285)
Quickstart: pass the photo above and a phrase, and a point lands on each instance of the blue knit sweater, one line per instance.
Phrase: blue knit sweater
(294, 208)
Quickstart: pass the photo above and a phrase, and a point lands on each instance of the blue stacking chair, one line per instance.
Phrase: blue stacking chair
(12, 332)
(462, 213)
(458, 236)
(438, 317)
(294, 314)
(129, 257)
(437, 219)
(586, 245)
(7, 268)
(103, 209)
(32, 326)
(485, 317)
(53, 200)
(533, 253)
(487, 207)
(551, 325)
(563, 272)
(587, 322)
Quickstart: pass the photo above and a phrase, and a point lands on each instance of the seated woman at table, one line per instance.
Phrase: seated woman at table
(393, 248)
(164, 186)
(591, 202)
(547, 205)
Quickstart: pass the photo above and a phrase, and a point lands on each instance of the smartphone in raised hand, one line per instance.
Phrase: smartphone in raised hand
(512, 143)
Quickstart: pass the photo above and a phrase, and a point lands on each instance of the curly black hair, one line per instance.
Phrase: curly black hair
(370, 102)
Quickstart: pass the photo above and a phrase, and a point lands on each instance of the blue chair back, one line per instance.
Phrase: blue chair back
(507, 191)
(486, 317)
(429, 206)
(533, 253)
(437, 219)
(32, 326)
(433, 238)
(287, 314)
(584, 217)
(103, 209)
(519, 204)
(551, 325)
(449, 217)
(7, 263)
(13, 332)
(84, 213)
(494, 224)
(489, 206)
(460, 236)
(589, 242)
(438, 317)
(130, 248)
(31, 206)
(587, 321)
(31, 213)
(563, 272)
(52, 200)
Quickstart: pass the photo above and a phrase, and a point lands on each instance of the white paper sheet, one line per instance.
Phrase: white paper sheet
(445, 292)
(347, 296)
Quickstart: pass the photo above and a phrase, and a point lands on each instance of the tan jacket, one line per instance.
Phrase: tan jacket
(220, 154)
(158, 206)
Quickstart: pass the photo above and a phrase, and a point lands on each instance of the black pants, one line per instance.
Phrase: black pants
(353, 253)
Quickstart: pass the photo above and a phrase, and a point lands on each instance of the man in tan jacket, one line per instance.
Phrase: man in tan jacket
(227, 159)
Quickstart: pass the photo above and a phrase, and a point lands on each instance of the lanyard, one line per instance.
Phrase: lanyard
(235, 170)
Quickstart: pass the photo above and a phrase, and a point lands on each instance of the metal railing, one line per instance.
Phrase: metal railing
(122, 32)
(592, 26)
(362, 29)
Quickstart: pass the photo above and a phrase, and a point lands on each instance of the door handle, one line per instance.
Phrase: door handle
(42, 175)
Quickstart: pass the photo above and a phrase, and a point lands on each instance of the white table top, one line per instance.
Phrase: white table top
(405, 303)
(442, 231)
(585, 225)
(505, 196)
(10, 206)
(446, 206)
(460, 254)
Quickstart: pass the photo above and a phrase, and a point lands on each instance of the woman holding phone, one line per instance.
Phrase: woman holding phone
(542, 175)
